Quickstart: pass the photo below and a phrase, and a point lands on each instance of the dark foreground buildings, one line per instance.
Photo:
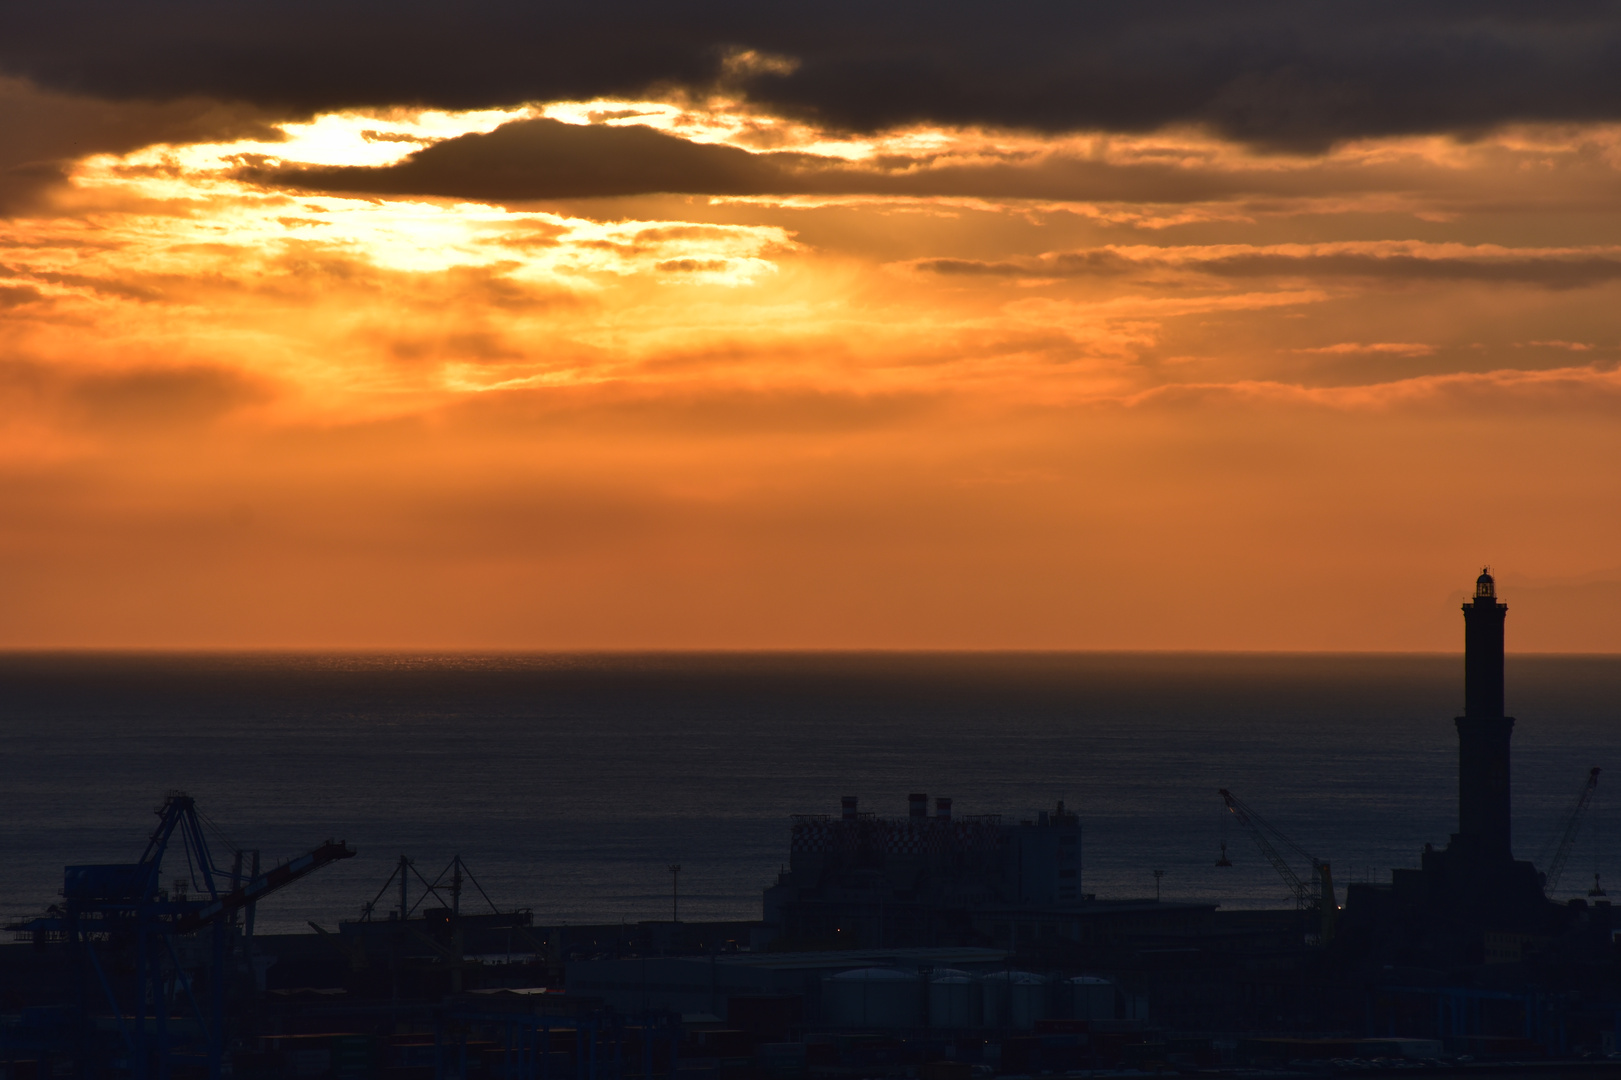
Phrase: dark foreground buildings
(933, 946)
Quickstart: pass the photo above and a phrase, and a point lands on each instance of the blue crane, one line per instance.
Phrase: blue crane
(123, 908)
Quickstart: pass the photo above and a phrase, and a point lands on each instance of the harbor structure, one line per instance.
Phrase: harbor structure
(936, 945)
(861, 880)
(1485, 821)
(1472, 896)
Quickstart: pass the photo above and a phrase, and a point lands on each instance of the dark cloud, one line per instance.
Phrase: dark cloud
(548, 159)
(41, 131)
(108, 287)
(150, 398)
(535, 159)
(1548, 271)
(17, 295)
(167, 398)
(1554, 272)
(626, 413)
(479, 346)
(1068, 264)
(1295, 73)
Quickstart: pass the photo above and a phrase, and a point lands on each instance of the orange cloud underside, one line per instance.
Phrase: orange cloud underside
(1280, 403)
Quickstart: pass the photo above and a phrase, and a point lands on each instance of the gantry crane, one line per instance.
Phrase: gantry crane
(124, 908)
(1319, 894)
(449, 949)
(1560, 854)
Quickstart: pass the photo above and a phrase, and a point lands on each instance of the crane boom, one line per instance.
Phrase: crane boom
(123, 910)
(1567, 836)
(1259, 828)
(109, 896)
(262, 886)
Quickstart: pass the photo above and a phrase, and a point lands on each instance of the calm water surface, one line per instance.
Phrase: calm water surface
(569, 782)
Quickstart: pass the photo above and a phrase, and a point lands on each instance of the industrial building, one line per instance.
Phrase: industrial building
(859, 880)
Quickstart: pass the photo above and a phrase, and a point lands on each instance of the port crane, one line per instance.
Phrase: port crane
(440, 931)
(1560, 854)
(1319, 894)
(117, 916)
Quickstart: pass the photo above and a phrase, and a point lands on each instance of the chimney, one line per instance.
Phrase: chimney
(942, 809)
(848, 805)
(919, 805)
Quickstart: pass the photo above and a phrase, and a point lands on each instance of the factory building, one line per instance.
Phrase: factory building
(859, 880)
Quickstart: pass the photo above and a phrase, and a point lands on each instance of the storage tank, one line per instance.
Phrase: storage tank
(1091, 998)
(954, 1000)
(1014, 999)
(873, 998)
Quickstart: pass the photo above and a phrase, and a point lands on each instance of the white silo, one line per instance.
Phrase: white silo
(1014, 999)
(1091, 998)
(954, 1000)
(873, 998)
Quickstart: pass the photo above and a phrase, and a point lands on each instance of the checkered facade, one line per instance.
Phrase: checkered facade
(901, 837)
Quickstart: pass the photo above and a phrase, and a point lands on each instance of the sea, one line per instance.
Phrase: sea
(570, 784)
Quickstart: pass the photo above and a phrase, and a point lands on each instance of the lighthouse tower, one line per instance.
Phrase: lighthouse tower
(1475, 885)
(1467, 899)
(1483, 732)
(1476, 881)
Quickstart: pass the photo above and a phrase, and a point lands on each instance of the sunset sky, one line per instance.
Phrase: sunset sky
(635, 325)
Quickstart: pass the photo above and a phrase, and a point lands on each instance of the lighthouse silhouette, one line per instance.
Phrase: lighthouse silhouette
(1476, 884)
(1471, 900)
(1484, 825)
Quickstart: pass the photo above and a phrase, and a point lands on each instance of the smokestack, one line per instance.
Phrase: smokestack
(848, 806)
(919, 805)
(942, 809)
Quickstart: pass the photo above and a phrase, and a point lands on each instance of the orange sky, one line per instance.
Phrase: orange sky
(283, 384)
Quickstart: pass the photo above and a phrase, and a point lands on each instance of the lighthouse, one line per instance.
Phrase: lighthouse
(1472, 899)
(1483, 731)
